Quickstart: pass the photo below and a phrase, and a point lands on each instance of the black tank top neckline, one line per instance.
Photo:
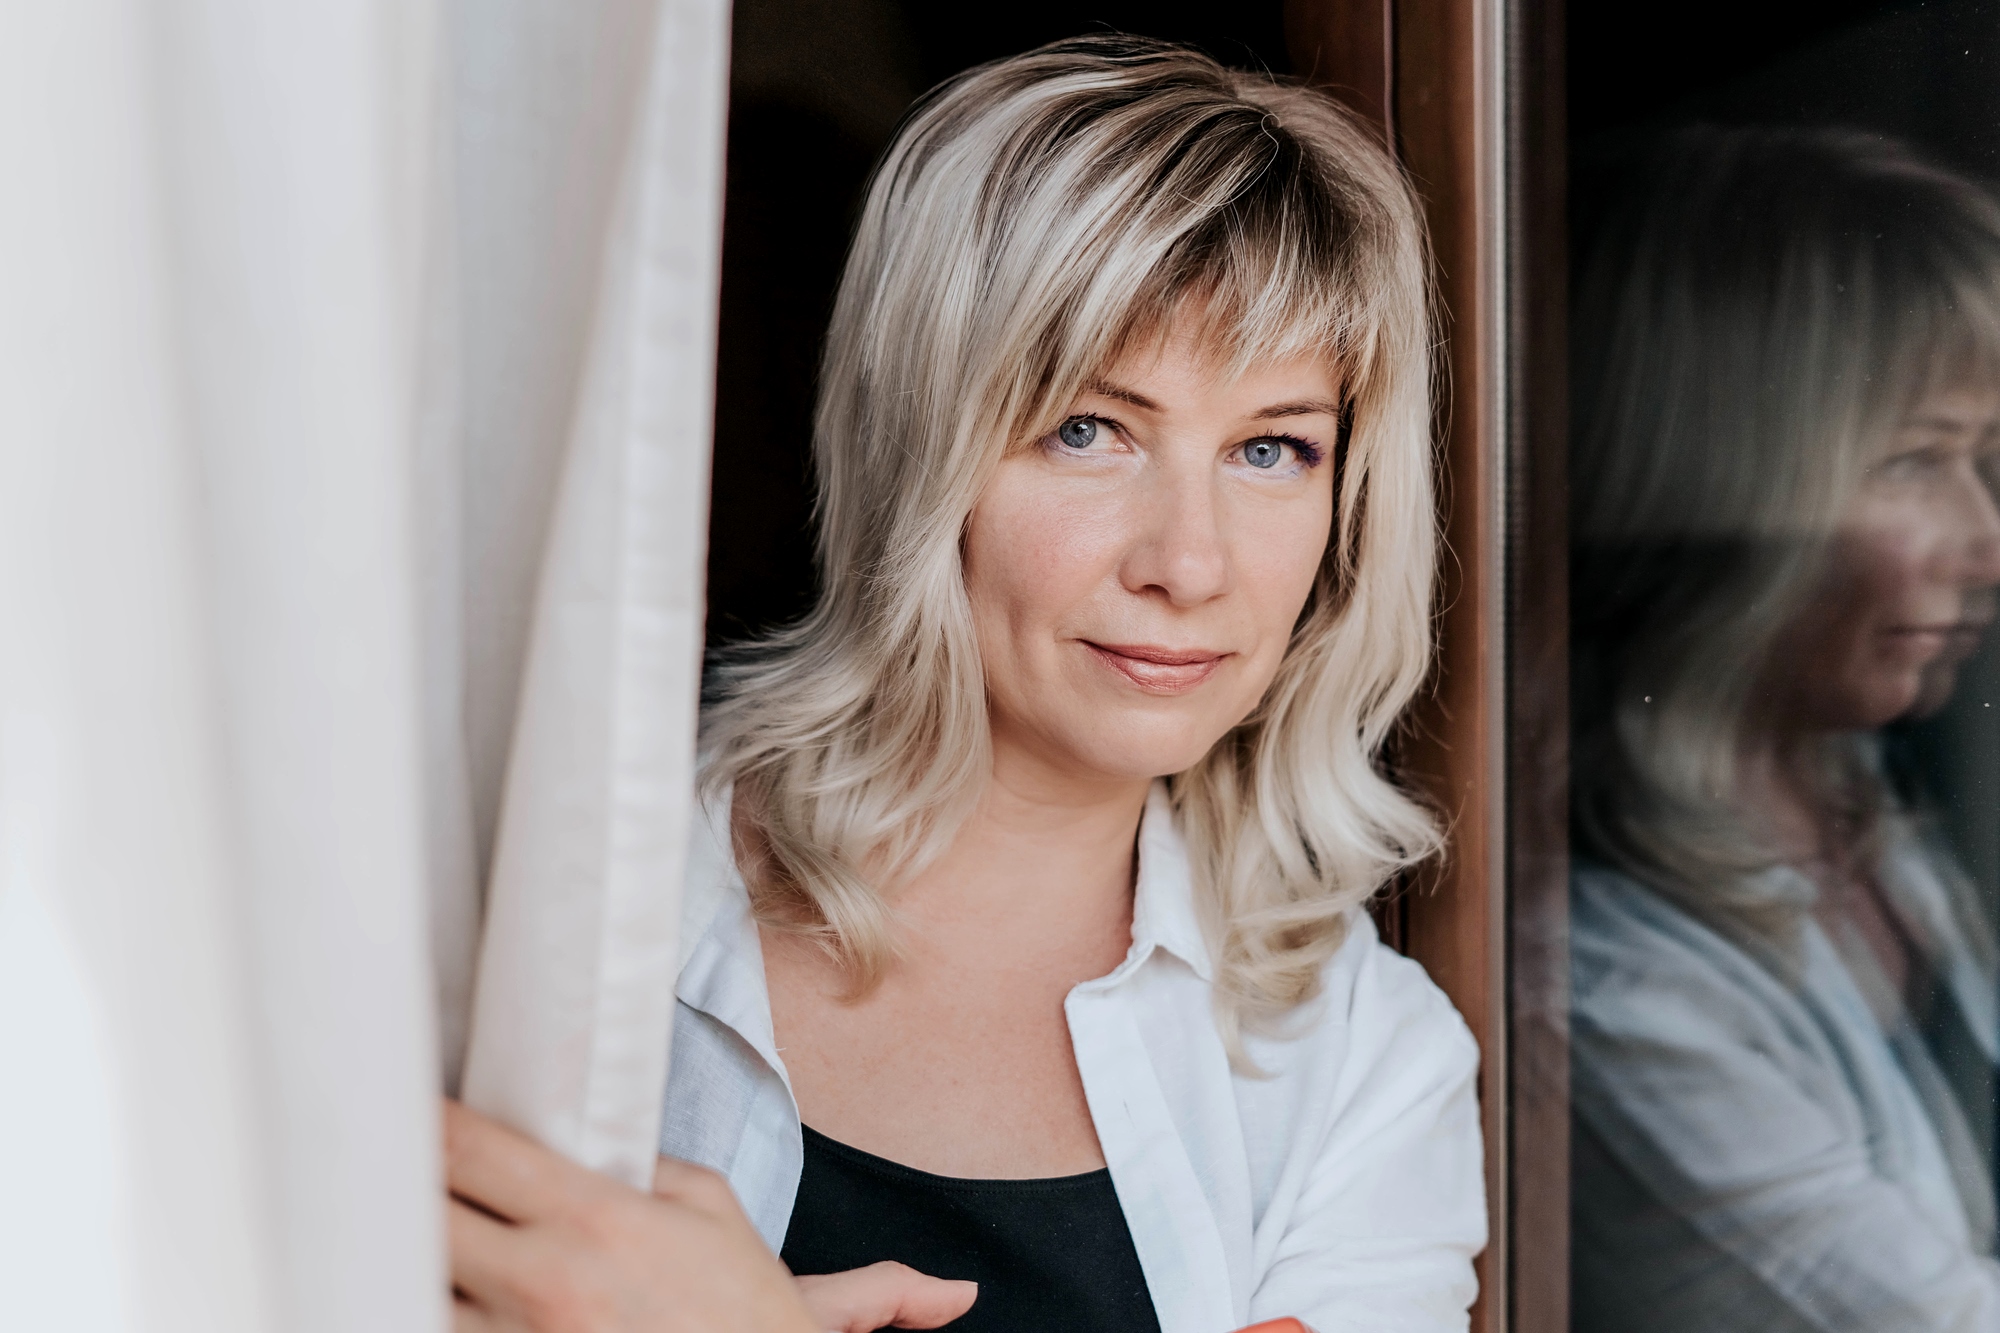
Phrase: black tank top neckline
(1051, 1254)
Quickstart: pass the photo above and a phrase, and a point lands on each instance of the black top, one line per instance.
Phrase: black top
(1050, 1256)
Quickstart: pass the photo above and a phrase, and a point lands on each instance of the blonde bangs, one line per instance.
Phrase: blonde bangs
(1204, 218)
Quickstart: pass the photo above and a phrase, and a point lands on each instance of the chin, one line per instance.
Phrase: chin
(1142, 748)
(1932, 690)
(1888, 700)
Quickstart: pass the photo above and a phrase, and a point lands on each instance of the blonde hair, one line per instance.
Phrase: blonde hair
(1760, 311)
(1033, 218)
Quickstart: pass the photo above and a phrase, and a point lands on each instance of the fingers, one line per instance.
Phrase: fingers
(862, 1300)
(538, 1243)
(469, 1318)
(507, 1173)
(485, 1256)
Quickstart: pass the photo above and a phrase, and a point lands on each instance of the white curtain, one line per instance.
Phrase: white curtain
(355, 363)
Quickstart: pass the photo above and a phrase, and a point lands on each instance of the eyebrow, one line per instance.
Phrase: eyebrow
(1949, 425)
(1303, 407)
(1106, 389)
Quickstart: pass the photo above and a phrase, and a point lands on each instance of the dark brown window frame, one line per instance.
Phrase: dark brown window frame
(1469, 95)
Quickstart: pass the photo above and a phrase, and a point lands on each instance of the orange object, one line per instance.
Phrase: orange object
(1276, 1326)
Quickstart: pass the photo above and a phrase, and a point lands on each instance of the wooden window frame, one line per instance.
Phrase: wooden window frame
(1469, 94)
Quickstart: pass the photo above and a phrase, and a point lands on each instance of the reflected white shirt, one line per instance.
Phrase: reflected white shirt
(1344, 1188)
(1775, 1120)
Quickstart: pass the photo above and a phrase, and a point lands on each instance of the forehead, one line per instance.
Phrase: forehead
(1194, 353)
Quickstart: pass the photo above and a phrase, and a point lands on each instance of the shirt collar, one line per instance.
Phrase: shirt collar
(722, 961)
(1163, 912)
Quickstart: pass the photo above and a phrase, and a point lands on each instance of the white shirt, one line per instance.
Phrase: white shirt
(1789, 1135)
(1344, 1188)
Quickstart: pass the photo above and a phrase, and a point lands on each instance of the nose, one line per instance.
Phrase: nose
(1979, 536)
(1177, 548)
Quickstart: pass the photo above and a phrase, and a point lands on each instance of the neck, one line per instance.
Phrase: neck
(1044, 845)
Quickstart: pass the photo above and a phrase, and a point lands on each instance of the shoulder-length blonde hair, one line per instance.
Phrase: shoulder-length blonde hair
(1033, 217)
(1760, 309)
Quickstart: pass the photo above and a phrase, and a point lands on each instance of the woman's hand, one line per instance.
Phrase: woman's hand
(884, 1295)
(542, 1245)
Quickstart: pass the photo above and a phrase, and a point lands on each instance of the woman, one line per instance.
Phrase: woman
(1784, 1023)
(1027, 945)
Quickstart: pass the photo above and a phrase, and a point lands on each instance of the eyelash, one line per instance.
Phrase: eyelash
(1309, 454)
(1908, 463)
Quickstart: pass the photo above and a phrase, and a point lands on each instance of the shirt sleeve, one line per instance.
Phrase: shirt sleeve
(1393, 1209)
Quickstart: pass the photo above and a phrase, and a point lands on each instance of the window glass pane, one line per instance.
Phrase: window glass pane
(1785, 831)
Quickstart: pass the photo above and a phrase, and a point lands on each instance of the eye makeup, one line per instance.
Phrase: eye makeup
(1309, 454)
(1076, 434)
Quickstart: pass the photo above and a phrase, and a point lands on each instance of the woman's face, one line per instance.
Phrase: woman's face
(1915, 562)
(1135, 575)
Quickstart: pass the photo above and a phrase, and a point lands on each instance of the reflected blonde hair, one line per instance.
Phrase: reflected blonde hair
(1033, 218)
(1761, 309)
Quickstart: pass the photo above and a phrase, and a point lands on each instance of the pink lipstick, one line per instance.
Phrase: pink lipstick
(1158, 670)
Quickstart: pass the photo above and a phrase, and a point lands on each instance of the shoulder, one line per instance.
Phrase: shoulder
(1372, 998)
(1366, 993)
(1618, 925)
(1406, 1055)
(1649, 974)
(1378, 1042)
(1396, 1017)
(1626, 934)
(1365, 1150)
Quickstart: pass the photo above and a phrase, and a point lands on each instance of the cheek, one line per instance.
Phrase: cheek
(1893, 565)
(1278, 556)
(1032, 552)
(1886, 555)
(1861, 676)
(1867, 586)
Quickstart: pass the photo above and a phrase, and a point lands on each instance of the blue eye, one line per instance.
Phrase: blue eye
(1077, 433)
(1264, 453)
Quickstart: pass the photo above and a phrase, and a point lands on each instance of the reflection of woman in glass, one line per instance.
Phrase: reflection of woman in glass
(1788, 359)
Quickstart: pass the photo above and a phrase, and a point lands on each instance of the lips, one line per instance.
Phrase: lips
(1928, 642)
(1156, 669)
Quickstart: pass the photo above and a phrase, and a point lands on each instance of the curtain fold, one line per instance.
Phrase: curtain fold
(355, 365)
(571, 1017)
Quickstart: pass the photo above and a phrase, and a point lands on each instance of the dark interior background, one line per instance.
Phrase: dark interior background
(1922, 70)
(817, 88)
